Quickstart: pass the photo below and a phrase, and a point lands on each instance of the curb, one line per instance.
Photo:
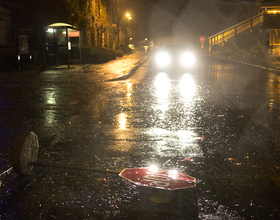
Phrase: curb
(130, 72)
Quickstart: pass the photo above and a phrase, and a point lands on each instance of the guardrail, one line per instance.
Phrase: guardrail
(233, 31)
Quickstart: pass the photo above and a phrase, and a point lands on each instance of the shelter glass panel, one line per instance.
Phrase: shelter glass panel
(61, 36)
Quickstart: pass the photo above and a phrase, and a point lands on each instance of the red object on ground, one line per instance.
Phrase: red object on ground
(202, 39)
(158, 178)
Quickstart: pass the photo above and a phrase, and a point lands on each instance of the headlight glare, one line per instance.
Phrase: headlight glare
(188, 59)
(163, 59)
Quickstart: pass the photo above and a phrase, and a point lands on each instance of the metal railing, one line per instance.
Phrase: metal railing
(233, 31)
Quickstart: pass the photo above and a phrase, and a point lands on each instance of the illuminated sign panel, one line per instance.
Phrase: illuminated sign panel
(74, 33)
(23, 44)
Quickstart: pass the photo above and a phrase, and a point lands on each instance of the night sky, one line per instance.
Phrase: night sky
(190, 17)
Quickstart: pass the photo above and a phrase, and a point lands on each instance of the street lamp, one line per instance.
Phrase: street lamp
(128, 18)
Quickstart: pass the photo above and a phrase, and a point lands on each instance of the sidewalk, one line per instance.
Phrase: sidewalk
(119, 68)
(252, 58)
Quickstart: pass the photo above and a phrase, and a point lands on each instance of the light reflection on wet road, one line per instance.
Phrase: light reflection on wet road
(218, 123)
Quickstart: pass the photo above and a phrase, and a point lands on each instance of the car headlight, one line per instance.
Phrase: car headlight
(163, 59)
(188, 59)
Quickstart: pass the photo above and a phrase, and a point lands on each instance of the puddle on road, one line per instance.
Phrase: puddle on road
(128, 125)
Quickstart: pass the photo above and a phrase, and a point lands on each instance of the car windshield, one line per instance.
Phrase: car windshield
(174, 47)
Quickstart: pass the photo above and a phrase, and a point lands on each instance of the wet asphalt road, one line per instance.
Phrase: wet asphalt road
(218, 123)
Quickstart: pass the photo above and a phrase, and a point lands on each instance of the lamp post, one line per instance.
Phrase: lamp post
(128, 18)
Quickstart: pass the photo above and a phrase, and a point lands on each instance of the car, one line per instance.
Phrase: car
(175, 57)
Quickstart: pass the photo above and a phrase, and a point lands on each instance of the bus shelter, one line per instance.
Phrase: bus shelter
(62, 44)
